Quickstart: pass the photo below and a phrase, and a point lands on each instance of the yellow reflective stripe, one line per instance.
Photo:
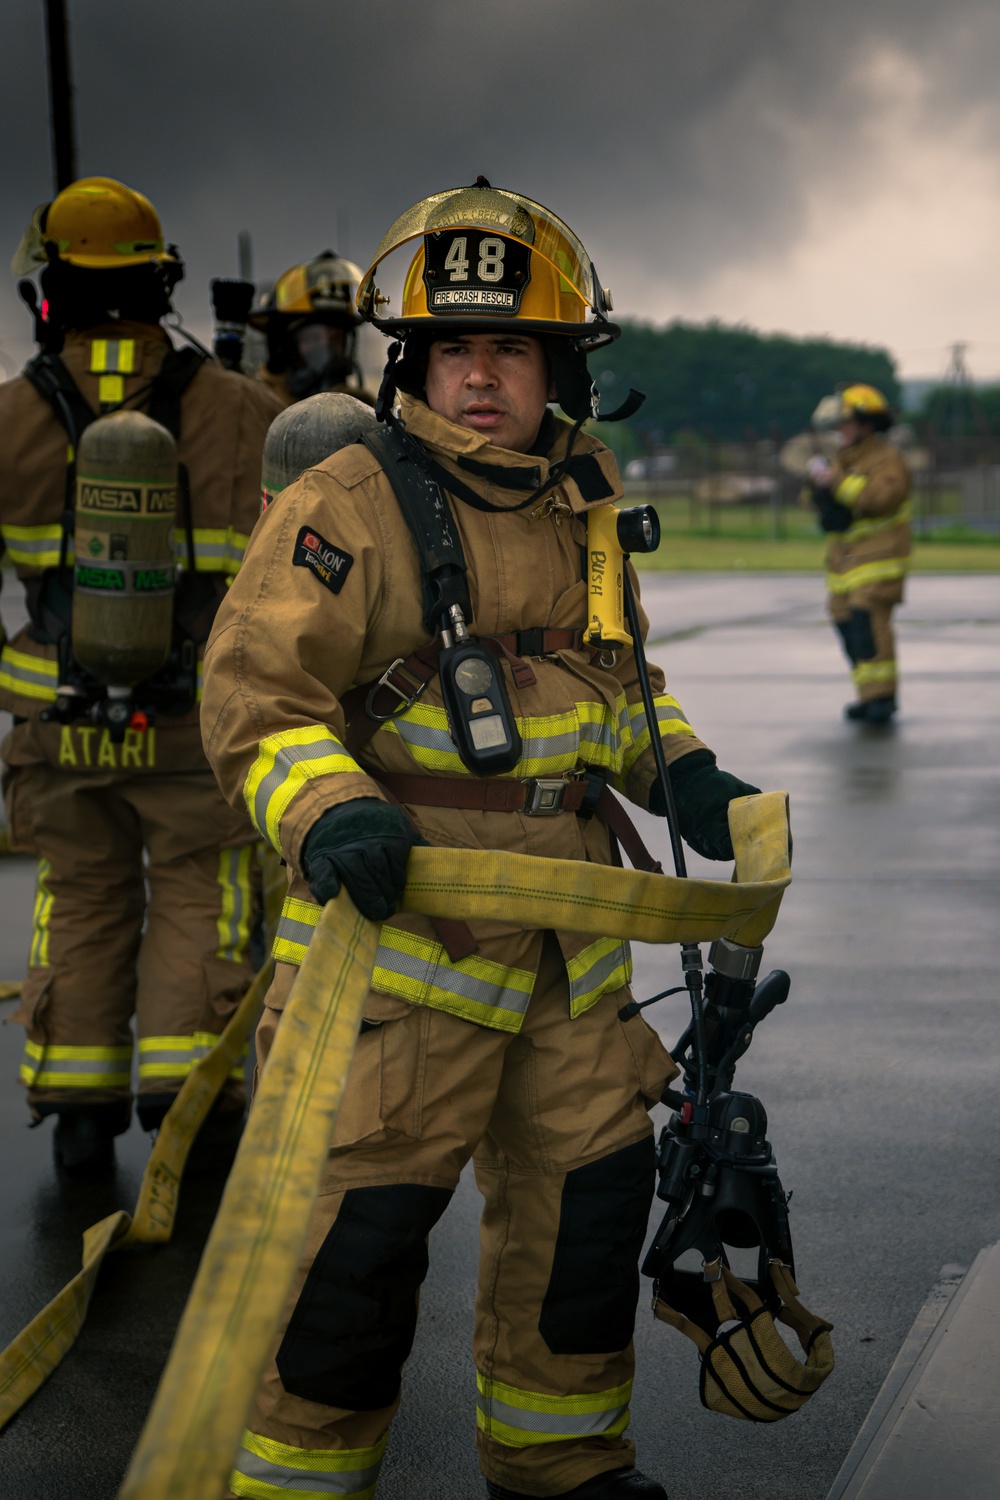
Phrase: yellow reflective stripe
(110, 390)
(476, 989)
(217, 549)
(876, 525)
(28, 676)
(418, 969)
(115, 356)
(670, 720)
(889, 569)
(285, 763)
(236, 903)
(199, 682)
(602, 966)
(267, 1470)
(874, 671)
(523, 1419)
(850, 488)
(589, 733)
(35, 546)
(175, 1056)
(64, 1067)
(38, 953)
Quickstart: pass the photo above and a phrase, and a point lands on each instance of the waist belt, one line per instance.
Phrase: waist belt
(538, 797)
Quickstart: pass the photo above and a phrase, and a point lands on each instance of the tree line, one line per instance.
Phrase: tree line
(725, 383)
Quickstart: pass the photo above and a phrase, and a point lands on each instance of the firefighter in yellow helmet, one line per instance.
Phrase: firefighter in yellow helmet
(337, 711)
(862, 501)
(310, 321)
(144, 871)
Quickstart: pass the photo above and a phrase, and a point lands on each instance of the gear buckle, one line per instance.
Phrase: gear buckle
(543, 797)
(406, 700)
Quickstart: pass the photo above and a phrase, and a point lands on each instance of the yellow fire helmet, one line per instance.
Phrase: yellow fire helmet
(489, 259)
(862, 402)
(96, 223)
(323, 288)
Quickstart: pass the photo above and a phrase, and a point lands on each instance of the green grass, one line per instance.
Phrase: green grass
(741, 538)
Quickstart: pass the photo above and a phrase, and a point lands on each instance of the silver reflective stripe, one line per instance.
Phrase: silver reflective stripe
(284, 763)
(598, 973)
(665, 712)
(32, 546)
(291, 931)
(45, 674)
(566, 1424)
(424, 736)
(314, 1481)
(68, 1065)
(443, 976)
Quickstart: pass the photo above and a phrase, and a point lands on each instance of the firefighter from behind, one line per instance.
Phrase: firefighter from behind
(861, 499)
(128, 486)
(366, 690)
(310, 321)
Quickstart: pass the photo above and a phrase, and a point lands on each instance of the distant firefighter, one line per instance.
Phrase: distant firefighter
(310, 322)
(129, 476)
(861, 498)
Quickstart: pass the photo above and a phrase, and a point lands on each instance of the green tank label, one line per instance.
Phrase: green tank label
(110, 580)
(148, 580)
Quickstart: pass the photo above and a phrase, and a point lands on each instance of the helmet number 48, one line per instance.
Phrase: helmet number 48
(491, 253)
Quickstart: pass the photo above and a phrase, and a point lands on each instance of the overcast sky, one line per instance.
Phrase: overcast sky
(797, 165)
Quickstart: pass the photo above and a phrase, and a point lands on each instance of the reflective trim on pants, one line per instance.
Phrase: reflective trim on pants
(237, 903)
(65, 1067)
(38, 953)
(602, 966)
(874, 671)
(522, 1419)
(175, 1056)
(266, 1470)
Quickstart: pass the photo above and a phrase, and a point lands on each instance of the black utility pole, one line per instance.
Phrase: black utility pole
(60, 94)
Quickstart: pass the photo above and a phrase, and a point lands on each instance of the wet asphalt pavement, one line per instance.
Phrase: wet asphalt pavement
(880, 1075)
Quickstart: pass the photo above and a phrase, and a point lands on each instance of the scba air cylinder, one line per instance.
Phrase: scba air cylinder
(126, 509)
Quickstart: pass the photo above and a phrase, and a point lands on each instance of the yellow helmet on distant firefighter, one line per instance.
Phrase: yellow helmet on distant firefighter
(861, 403)
(321, 289)
(490, 260)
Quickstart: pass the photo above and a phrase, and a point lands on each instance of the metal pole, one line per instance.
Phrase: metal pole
(60, 94)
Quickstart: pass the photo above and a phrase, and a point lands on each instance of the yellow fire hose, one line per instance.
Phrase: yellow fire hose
(29, 1360)
(193, 1430)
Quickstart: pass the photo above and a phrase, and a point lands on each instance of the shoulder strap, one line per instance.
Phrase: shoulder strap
(443, 569)
(171, 380)
(54, 383)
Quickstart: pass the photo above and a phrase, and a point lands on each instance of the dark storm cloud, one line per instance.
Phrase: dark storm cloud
(677, 136)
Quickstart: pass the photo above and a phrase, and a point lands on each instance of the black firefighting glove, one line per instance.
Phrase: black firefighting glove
(363, 845)
(702, 794)
(831, 514)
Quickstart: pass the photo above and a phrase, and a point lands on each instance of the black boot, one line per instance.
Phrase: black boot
(875, 711)
(84, 1139)
(613, 1484)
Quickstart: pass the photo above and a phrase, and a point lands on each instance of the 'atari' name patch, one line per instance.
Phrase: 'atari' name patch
(328, 562)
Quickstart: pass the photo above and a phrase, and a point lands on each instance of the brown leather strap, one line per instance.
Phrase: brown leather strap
(480, 793)
(407, 678)
(498, 794)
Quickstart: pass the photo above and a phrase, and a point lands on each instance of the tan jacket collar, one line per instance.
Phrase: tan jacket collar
(857, 452)
(449, 442)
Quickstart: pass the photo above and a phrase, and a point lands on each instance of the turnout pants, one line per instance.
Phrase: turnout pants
(102, 951)
(863, 620)
(556, 1118)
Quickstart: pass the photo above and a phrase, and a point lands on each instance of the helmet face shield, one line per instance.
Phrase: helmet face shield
(854, 402)
(323, 288)
(488, 259)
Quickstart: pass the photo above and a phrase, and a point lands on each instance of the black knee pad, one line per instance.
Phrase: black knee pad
(354, 1322)
(589, 1306)
(843, 629)
(860, 626)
